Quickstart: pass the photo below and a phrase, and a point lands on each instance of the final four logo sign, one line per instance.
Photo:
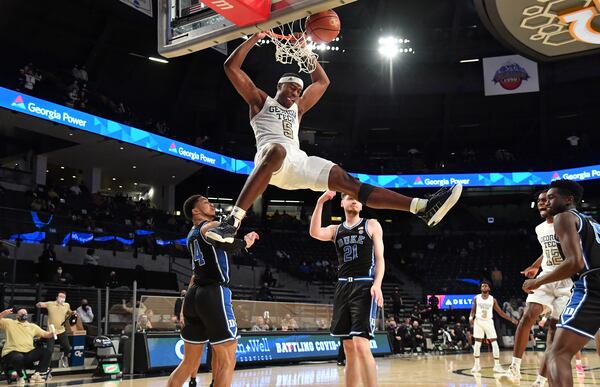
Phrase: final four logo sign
(510, 76)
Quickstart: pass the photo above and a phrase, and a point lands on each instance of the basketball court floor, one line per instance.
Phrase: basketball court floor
(429, 371)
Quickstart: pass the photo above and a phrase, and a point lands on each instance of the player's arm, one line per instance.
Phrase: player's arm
(231, 248)
(532, 270)
(377, 236)
(314, 92)
(5, 313)
(473, 311)
(316, 231)
(565, 227)
(253, 96)
(41, 305)
(500, 312)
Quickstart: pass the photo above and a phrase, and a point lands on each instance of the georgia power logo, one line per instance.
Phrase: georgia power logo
(418, 181)
(173, 147)
(19, 103)
(510, 75)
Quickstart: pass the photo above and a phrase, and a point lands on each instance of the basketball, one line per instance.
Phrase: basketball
(323, 27)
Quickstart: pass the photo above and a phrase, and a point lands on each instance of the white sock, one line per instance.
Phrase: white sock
(516, 363)
(496, 362)
(238, 215)
(477, 350)
(495, 350)
(577, 362)
(477, 361)
(417, 205)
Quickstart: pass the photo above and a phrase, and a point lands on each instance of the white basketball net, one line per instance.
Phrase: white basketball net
(293, 46)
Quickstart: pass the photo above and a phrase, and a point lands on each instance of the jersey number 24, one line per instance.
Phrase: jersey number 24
(197, 256)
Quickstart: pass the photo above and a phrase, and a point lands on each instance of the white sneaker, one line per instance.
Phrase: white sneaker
(513, 373)
(476, 368)
(37, 379)
(64, 362)
(498, 369)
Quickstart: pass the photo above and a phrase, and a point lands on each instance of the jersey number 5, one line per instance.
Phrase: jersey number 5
(197, 257)
(287, 129)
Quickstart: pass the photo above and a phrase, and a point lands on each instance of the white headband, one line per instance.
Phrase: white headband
(292, 79)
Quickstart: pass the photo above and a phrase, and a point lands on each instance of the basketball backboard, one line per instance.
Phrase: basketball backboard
(186, 26)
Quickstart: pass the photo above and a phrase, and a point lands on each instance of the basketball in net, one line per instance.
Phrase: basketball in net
(323, 27)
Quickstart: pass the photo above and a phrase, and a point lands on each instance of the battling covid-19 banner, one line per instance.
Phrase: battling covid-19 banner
(166, 350)
(510, 74)
(50, 111)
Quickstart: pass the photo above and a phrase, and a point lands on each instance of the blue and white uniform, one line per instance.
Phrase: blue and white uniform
(207, 307)
(582, 314)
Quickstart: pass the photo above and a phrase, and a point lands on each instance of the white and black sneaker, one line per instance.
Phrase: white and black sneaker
(439, 204)
(224, 232)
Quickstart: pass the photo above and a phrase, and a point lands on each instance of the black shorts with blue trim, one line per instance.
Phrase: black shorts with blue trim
(354, 310)
(582, 314)
(208, 315)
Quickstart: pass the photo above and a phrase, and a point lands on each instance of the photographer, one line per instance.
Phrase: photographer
(19, 352)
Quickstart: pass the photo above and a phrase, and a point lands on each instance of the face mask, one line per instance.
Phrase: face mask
(59, 271)
(60, 300)
(84, 305)
(23, 318)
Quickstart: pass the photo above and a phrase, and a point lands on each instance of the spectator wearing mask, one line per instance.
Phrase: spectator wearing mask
(58, 312)
(260, 325)
(394, 334)
(85, 312)
(19, 352)
(288, 323)
(417, 335)
(90, 258)
(60, 277)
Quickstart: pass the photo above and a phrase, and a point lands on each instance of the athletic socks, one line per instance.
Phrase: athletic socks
(477, 350)
(476, 362)
(238, 215)
(495, 349)
(541, 380)
(496, 362)
(516, 363)
(417, 205)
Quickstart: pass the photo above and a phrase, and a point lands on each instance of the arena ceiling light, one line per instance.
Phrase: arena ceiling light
(391, 46)
(159, 60)
(469, 60)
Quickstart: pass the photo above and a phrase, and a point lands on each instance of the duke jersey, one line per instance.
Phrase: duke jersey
(485, 307)
(589, 232)
(552, 257)
(209, 264)
(276, 124)
(355, 251)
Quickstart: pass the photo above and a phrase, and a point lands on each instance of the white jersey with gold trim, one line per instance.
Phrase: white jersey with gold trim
(275, 124)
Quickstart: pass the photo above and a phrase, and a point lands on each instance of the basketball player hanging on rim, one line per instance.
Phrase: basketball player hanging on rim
(207, 313)
(280, 162)
(550, 298)
(578, 240)
(482, 319)
(359, 246)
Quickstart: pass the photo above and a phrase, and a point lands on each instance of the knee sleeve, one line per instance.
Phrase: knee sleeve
(495, 350)
(364, 192)
(477, 349)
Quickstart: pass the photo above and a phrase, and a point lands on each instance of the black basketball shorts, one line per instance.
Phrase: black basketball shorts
(354, 310)
(582, 314)
(208, 315)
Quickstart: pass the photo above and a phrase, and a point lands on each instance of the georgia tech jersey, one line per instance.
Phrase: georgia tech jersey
(275, 124)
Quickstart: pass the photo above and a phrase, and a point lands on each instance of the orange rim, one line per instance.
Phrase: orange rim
(282, 37)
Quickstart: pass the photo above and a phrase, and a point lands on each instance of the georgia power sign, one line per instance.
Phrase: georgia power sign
(544, 29)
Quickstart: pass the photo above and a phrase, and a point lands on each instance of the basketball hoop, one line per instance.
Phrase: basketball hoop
(293, 46)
